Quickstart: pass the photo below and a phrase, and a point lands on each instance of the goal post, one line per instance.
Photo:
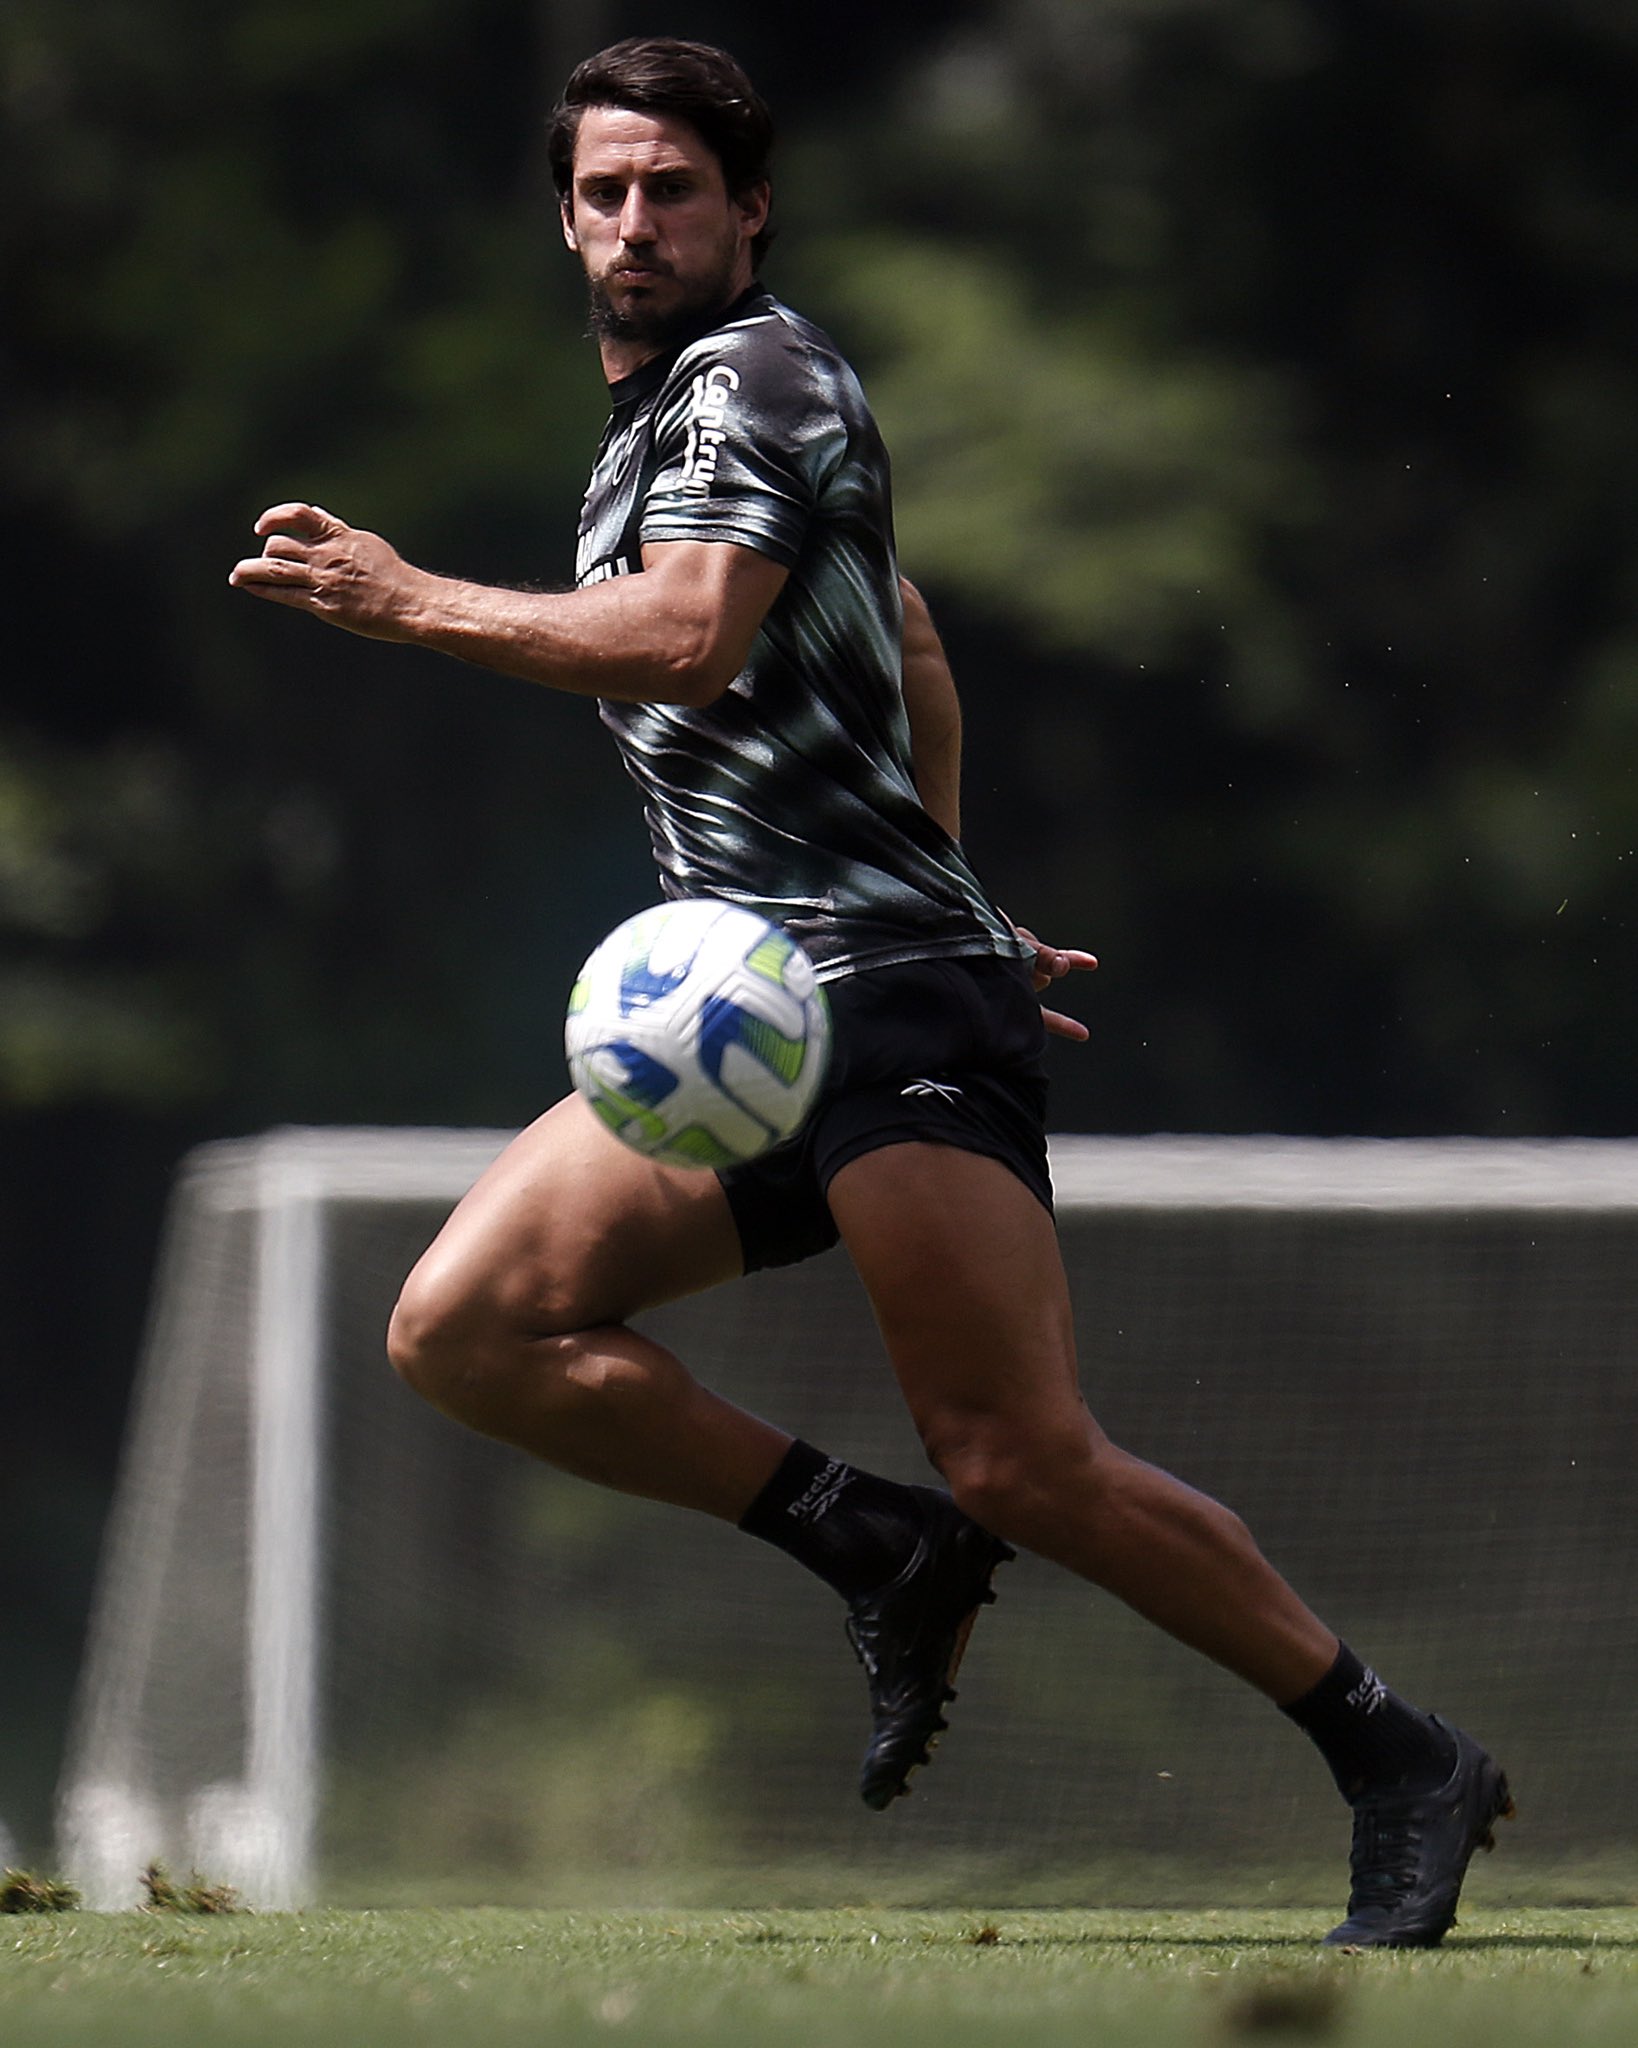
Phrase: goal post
(259, 1207)
(343, 1649)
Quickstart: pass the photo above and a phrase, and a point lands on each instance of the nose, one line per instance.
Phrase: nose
(636, 222)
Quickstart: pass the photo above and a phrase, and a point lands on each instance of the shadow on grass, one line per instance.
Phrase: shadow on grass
(1456, 1944)
(1576, 1944)
(862, 1938)
(1310, 1944)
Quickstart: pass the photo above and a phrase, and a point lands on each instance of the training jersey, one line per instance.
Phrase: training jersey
(792, 793)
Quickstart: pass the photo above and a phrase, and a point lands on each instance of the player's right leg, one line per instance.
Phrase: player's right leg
(514, 1321)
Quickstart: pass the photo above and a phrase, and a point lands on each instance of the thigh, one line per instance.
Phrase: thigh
(962, 1267)
(939, 1052)
(569, 1229)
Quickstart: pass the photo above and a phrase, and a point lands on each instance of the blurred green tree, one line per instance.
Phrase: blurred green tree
(1257, 377)
(1267, 417)
(266, 251)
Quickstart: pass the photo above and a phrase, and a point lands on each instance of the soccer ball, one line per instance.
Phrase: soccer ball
(698, 1033)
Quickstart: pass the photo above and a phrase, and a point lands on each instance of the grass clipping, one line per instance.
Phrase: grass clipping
(22, 1892)
(193, 1895)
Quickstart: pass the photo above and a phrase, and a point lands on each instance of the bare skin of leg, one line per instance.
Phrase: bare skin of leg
(513, 1322)
(964, 1272)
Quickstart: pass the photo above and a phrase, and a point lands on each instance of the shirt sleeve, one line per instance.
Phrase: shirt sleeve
(745, 435)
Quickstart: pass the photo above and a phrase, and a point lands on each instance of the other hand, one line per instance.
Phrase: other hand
(319, 564)
(1052, 963)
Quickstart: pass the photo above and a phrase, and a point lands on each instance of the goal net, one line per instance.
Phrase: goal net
(343, 1649)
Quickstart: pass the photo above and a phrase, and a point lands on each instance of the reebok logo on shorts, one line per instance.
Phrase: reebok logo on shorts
(946, 1091)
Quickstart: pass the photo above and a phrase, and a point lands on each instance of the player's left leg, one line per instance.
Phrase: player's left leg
(963, 1270)
(962, 1266)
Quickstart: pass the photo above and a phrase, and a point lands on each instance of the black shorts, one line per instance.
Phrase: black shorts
(943, 1052)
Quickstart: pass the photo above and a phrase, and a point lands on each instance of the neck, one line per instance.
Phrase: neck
(622, 358)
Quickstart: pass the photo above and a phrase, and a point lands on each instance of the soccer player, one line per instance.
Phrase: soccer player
(782, 702)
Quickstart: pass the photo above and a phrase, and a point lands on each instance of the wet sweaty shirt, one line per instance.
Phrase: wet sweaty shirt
(792, 792)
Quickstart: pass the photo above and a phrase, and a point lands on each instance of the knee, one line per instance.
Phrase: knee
(452, 1328)
(476, 1354)
(1021, 1482)
(431, 1331)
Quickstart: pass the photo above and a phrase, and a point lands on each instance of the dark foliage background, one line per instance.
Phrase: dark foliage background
(1259, 380)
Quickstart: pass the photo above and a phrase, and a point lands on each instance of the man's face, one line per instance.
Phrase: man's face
(649, 216)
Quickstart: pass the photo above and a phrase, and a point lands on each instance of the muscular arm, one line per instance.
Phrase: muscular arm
(677, 634)
(934, 712)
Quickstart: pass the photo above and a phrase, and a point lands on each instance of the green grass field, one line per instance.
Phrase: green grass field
(833, 1979)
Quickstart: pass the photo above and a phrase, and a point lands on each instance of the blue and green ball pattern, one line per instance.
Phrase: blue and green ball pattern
(698, 1034)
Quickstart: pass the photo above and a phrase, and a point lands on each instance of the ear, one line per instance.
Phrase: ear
(754, 204)
(565, 211)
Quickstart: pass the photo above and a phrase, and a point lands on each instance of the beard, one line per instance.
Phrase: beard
(652, 324)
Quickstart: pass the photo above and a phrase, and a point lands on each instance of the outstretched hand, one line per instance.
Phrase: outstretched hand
(318, 564)
(1052, 963)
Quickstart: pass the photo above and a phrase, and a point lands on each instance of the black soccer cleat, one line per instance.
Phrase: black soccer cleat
(1411, 1851)
(909, 1636)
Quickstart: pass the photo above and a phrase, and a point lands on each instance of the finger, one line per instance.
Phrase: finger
(286, 548)
(264, 572)
(1052, 963)
(1041, 966)
(278, 593)
(1072, 954)
(1060, 1026)
(312, 522)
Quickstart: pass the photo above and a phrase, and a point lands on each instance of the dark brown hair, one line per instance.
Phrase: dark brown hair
(692, 82)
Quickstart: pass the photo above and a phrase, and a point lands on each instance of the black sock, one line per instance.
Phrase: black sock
(855, 1530)
(1371, 1738)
